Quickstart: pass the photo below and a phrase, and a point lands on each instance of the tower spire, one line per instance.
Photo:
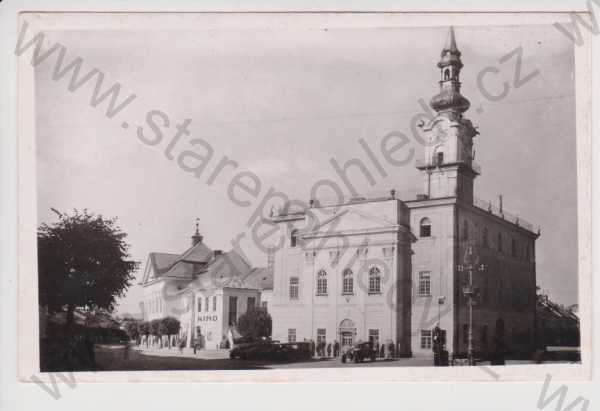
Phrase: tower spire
(197, 237)
(451, 42)
(449, 98)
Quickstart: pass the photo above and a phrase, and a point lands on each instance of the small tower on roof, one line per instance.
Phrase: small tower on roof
(197, 237)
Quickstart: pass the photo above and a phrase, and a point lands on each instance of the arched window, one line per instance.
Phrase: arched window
(500, 242)
(447, 74)
(347, 282)
(513, 247)
(465, 232)
(485, 238)
(374, 280)
(425, 228)
(294, 238)
(322, 282)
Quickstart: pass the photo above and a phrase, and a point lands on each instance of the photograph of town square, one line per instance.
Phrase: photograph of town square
(312, 210)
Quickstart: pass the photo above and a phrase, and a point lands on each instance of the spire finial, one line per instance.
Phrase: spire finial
(197, 237)
(451, 41)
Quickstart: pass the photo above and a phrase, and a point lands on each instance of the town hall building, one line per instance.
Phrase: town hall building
(388, 269)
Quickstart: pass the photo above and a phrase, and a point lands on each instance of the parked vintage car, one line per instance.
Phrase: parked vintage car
(256, 350)
(295, 351)
(359, 352)
(271, 350)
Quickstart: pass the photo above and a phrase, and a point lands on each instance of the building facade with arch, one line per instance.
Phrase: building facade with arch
(390, 267)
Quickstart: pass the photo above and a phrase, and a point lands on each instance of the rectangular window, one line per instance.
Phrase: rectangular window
(251, 303)
(465, 333)
(321, 335)
(374, 338)
(199, 304)
(294, 288)
(214, 303)
(206, 308)
(291, 335)
(232, 310)
(440, 158)
(426, 339)
(424, 283)
(264, 305)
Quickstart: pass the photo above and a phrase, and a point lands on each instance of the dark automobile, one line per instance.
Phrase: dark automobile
(253, 350)
(271, 350)
(359, 351)
(294, 351)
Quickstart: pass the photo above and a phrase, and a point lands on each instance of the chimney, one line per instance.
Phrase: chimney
(500, 205)
(197, 237)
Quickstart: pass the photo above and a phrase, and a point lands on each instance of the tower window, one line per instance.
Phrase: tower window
(425, 228)
(347, 282)
(447, 74)
(424, 283)
(322, 282)
(294, 288)
(374, 280)
(294, 238)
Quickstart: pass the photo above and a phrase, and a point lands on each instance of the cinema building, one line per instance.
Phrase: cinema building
(388, 268)
(205, 290)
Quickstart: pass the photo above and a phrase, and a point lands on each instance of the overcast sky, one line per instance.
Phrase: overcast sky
(281, 103)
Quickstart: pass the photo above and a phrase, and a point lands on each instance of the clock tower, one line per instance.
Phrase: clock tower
(448, 167)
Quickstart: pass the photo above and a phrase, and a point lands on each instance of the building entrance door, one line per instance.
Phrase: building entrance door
(347, 331)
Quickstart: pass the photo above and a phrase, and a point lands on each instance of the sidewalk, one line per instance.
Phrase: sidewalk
(203, 354)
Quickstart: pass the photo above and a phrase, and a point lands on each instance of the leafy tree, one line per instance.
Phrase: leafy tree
(144, 329)
(83, 262)
(255, 323)
(172, 325)
(155, 327)
(169, 326)
(132, 328)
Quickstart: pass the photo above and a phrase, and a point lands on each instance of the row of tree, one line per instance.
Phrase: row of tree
(167, 326)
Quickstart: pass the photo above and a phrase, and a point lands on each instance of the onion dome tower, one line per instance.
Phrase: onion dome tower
(449, 98)
(448, 168)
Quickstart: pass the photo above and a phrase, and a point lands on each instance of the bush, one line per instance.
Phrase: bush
(255, 323)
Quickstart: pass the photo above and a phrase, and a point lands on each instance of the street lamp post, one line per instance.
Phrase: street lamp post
(471, 262)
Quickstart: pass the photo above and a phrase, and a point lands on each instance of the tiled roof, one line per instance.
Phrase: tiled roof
(162, 261)
(198, 253)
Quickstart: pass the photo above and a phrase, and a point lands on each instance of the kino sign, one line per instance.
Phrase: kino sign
(208, 318)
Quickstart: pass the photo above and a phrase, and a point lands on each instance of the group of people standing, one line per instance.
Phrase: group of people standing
(325, 349)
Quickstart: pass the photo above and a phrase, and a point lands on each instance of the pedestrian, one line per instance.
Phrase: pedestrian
(181, 345)
(336, 348)
(329, 350)
(382, 351)
(391, 349)
(195, 345)
(312, 347)
(126, 351)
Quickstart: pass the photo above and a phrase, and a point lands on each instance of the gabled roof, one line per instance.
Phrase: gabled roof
(162, 261)
(178, 265)
(198, 253)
